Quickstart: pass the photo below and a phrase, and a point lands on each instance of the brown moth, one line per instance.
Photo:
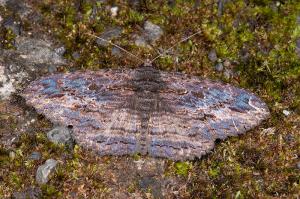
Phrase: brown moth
(145, 110)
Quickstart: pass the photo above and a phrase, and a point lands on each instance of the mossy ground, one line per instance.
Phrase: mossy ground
(258, 38)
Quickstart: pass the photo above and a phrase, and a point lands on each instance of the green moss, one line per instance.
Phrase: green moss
(259, 39)
(136, 156)
(182, 168)
(132, 188)
(15, 180)
(214, 172)
(49, 191)
(211, 30)
(7, 38)
(166, 62)
(134, 17)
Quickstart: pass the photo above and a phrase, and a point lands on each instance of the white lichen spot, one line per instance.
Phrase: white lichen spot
(9, 82)
(6, 85)
(286, 112)
(114, 11)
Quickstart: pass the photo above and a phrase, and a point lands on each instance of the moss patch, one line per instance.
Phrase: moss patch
(258, 38)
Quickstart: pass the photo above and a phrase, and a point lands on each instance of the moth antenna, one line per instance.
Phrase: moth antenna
(184, 39)
(117, 46)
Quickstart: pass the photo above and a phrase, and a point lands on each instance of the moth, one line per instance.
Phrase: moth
(145, 110)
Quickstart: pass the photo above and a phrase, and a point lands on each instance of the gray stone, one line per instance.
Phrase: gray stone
(116, 52)
(227, 63)
(38, 51)
(43, 172)
(35, 156)
(219, 67)
(152, 32)
(150, 182)
(12, 75)
(60, 135)
(75, 55)
(140, 41)
(108, 34)
(244, 54)
(29, 193)
(52, 69)
(60, 51)
(150, 35)
(298, 165)
(18, 67)
(212, 56)
(228, 73)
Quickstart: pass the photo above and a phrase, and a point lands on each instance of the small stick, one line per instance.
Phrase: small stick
(236, 128)
(117, 47)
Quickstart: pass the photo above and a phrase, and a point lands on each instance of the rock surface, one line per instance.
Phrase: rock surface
(38, 51)
(6, 84)
(17, 67)
(219, 67)
(109, 34)
(140, 41)
(151, 33)
(35, 156)
(60, 135)
(212, 56)
(43, 172)
(228, 73)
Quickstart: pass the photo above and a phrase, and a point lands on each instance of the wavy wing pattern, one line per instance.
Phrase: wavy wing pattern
(147, 111)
